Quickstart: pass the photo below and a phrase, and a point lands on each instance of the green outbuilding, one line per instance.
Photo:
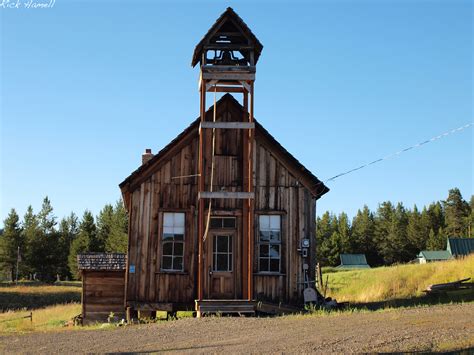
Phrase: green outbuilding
(426, 256)
(353, 261)
(460, 247)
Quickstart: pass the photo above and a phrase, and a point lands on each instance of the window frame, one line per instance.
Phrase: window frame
(269, 243)
(229, 253)
(173, 242)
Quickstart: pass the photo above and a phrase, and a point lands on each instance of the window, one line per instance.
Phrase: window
(269, 257)
(172, 242)
(222, 253)
(223, 222)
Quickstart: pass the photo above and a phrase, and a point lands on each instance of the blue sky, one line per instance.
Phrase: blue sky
(86, 86)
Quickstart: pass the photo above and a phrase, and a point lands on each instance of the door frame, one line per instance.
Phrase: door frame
(209, 262)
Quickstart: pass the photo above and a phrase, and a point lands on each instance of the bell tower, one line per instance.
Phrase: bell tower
(227, 56)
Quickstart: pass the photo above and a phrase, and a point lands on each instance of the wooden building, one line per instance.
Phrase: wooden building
(103, 285)
(223, 212)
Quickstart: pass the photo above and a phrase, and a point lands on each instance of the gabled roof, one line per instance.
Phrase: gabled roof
(435, 254)
(101, 261)
(228, 16)
(353, 261)
(308, 180)
(460, 246)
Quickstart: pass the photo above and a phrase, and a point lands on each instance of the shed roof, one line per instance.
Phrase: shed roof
(460, 246)
(307, 178)
(101, 261)
(228, 17)
(355, 261)
(435, 254)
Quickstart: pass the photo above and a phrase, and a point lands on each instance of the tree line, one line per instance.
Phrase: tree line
(393, 233)
(45, 249)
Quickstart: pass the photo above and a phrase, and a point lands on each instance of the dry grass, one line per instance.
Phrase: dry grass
(396, 282)
(49, 318)
(36, 295)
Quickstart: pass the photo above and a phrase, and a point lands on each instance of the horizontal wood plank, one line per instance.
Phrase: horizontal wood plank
(228, 125)
(227, 195)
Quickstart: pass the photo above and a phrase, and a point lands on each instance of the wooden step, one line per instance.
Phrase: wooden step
(276, 309)
(239, 307)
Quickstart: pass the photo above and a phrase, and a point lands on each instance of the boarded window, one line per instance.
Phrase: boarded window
(269, 243)
(172, 242)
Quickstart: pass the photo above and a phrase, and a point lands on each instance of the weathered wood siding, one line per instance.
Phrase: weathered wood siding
(276, 191)
(102, 293)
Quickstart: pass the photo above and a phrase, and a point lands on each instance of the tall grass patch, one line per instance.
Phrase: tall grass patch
(49, 318)
(36, 295)
(395, 282)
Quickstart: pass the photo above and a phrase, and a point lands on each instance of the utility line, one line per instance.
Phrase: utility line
(445, 134)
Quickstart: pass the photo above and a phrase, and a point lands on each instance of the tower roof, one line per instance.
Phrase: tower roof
(230, 25)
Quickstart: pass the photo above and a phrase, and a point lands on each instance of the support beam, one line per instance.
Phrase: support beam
(201, 201)
(228, 76)
(245, 206)
(228, 125)
(225, 89)
(226, 195)
(251, 203)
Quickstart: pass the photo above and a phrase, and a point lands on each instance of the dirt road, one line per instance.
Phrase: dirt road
(431, 328)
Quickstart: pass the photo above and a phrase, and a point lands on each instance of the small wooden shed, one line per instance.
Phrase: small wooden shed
(103, 285)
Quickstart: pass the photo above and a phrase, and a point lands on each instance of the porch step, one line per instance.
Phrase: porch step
(276, 309)
(240, 307)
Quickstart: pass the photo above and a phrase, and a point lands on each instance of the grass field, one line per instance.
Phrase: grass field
(51, 305)
(31, 295)
(49, 318)
(403, 282)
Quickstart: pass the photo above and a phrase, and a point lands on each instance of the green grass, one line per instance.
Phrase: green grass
(402, 282)
(32, 295)
(49, 318)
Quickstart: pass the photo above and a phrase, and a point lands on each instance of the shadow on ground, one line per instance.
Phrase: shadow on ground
(426, 300)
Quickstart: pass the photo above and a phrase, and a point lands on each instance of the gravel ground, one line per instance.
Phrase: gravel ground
(416, 329)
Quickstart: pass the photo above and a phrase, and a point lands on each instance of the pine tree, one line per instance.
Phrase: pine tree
(10, 242)
(118, 237)
(417, 232)
(30, 232)
(344, 237)
(470, 222)
(82, 243)
(435, 213)
(457, 212)
(383, 222)
(46, 218)
(363, 235)
(105, 222)
(436, 241)
(324, 231)
(44, 248)
(68, 230)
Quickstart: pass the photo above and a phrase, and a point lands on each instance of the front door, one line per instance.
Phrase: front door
(221, 264)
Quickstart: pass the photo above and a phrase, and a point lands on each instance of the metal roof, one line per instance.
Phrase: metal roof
(435, 254)
(101, 261)
(353, 261)
(460, 246)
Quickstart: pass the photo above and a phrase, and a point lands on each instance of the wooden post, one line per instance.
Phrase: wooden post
(250, 201)
(201, 181)
(245, 206)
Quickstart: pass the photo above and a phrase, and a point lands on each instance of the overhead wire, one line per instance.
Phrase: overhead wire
(442, 135)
